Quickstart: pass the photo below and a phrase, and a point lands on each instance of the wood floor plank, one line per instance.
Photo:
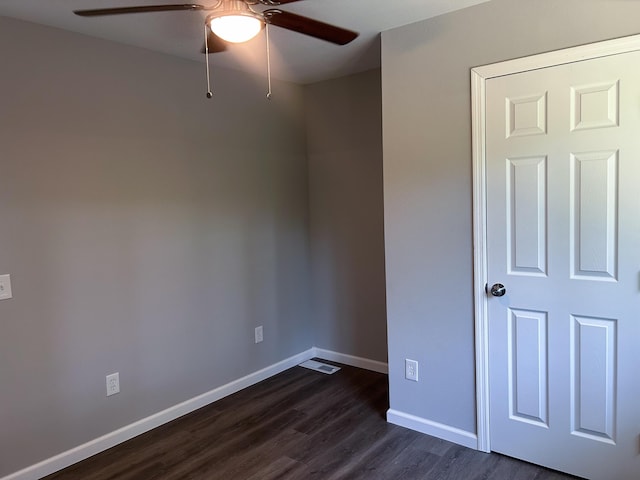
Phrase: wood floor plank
(253, 461)
(342, 450)
(298, 425)
(283, 467)
(371, 461)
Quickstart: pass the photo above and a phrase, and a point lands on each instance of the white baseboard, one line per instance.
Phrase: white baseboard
(435, 429)
(81, 452)
(359, 362)
(123, 434)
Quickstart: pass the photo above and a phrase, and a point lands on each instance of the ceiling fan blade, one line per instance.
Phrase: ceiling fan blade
(146, 9)
(275, 3)
(309, 26)
(214, 42)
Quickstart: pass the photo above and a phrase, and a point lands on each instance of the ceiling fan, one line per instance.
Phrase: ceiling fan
(236, 21)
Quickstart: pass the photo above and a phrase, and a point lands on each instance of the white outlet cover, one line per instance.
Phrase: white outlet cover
(5, 287)
(113, 384)
(259, 334)
(411, 370)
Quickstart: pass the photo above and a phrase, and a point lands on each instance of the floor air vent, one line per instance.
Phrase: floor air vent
(320, 367)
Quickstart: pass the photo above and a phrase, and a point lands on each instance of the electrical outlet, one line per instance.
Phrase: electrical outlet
(113, 384)
(411, 370)
(5, 287)
(258, 335)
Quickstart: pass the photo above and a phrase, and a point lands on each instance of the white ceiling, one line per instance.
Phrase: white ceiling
(295, 57)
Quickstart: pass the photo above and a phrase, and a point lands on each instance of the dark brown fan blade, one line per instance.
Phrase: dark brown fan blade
(214, 42)
(147, 9)
(309, 26)
(275, 3)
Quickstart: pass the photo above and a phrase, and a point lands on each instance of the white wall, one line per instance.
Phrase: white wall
(427, 180)
(344, 145)
(147, 230)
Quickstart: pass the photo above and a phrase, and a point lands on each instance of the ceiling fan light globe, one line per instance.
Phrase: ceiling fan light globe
(236, 28)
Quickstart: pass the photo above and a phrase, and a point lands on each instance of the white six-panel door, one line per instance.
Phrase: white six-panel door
(563, 236)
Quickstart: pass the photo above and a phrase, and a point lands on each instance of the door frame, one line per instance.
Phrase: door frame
(479, 77)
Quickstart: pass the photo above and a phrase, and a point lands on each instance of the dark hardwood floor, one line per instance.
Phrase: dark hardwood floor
(300, 424)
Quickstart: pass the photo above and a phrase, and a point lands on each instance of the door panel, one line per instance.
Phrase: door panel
(526, 215)
(594, 195)
(528, 367)
(593, 378)
(563, 236)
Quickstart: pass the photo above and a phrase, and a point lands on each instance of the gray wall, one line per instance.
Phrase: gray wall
(344, 144)
(147, 231)
(427, 179)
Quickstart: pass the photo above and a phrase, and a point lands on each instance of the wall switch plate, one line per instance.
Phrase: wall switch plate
(5, 287)
(259, 336)
(411, 370)
(113, 384)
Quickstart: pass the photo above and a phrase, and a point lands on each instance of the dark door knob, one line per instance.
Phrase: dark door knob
(498, 290)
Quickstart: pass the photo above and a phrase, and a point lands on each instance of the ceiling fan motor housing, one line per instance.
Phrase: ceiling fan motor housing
(233, 7)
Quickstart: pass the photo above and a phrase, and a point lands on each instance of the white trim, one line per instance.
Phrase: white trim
(123, 434)
(359, 362)
(435, 429)
(86, 450)
(479, 77)
(480, 261)
(559, 57)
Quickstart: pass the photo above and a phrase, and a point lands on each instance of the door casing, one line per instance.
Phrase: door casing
(479, 77)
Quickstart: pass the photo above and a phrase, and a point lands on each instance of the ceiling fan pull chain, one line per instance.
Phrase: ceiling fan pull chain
(266, 29)
(206, 51)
